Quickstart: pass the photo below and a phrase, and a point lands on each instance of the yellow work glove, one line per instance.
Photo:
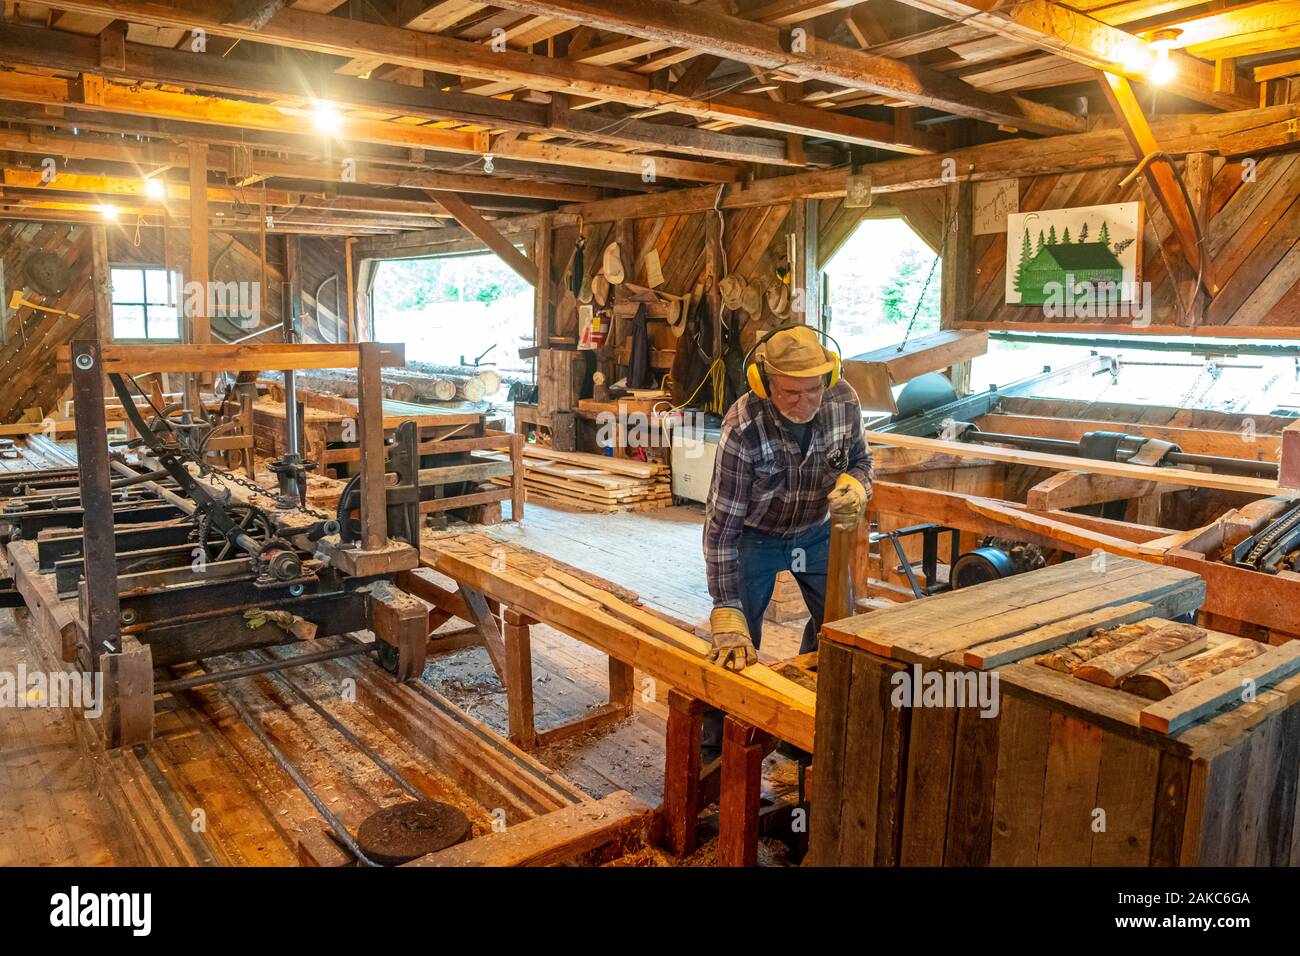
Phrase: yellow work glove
(847, 500)
(729, 633)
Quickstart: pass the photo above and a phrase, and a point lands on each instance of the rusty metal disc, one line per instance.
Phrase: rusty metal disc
(405, 831)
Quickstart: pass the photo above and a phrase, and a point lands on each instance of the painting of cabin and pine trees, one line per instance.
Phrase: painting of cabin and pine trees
(1055, 253)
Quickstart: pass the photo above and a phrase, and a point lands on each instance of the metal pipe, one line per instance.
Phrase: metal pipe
(248, 670)
(292, 439)
(1150, 343)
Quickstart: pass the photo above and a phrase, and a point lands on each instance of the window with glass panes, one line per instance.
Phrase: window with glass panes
(144, 307)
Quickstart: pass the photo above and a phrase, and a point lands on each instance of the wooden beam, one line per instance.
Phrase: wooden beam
(254, 14)
(138, 359)
(1162, 176)
(1244, 29)
(1076, 36)
(1246, 132)
(733, 38)
(323, 34)
(480, 227)
(1174, 476)
(1071, 489)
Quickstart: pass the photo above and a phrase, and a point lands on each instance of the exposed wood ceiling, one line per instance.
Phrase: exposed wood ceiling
(572, 100)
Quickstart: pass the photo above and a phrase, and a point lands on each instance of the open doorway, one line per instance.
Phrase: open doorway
(456, 310)
(879, 279)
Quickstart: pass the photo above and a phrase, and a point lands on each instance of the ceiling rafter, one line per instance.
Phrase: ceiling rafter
(327, 34)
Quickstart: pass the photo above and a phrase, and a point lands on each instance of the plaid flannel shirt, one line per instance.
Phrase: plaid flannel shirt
(761, 482)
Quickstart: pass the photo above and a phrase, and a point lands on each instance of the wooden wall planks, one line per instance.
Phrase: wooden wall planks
(1253, 235)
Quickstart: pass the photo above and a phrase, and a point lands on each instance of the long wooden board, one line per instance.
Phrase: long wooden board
(1174, 476)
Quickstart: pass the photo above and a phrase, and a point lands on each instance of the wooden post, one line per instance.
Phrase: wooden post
(622, 684)
(246, 429)
(352, 292)
(517, 475)
(370, 440)
(1290, 473)
(742, 779)
(681, 807)
(543, 245)
(517, 634)
(200, 322)
(804, 274)
(956, 284)
(402, 623)
(103, 280)
(128, 694)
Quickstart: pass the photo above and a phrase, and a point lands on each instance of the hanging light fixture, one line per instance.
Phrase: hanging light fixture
(1162, 68)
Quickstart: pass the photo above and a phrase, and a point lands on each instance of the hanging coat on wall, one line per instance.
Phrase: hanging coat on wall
(693, 356)
(578, 274)
(733, 357)
(639, 374)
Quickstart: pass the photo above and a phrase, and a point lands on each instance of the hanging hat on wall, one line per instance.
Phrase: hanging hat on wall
(679, 309)
(778, 298)
(600, 291)
(613, 264)
(584, 293)
(751, 299)
(732, 288)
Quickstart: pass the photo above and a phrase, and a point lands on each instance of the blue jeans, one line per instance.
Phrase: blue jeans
(761, 558)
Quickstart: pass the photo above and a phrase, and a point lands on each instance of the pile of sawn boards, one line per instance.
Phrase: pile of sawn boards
(595, 482)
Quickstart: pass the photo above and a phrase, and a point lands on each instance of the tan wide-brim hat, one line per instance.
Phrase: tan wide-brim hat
(796, 352)
(584, 294)
(679, 309)
(613, 264)
(732, 289)
(600, 291)
(751, 299)
(778, 298)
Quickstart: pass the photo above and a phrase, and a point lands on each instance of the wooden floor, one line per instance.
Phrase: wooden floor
(61, 799)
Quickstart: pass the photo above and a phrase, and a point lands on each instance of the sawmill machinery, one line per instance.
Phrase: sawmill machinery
(170, 558)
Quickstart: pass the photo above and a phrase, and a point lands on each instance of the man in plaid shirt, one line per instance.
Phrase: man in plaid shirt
(787, 464)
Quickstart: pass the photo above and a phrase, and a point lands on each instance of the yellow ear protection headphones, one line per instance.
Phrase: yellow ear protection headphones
(756, 369)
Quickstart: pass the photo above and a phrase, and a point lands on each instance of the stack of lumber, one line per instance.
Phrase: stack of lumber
(595, 482)
(1040, 699)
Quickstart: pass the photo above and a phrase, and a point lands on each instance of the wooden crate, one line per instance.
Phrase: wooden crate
(941, 785)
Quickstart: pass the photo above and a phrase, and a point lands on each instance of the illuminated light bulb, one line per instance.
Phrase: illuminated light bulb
(1162, 68)
(109, 213)
(326, 117)
(154, 189)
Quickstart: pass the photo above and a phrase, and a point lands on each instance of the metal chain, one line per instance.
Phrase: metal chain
(919, 302)
(206, 469)
(943, 247)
